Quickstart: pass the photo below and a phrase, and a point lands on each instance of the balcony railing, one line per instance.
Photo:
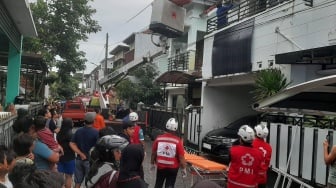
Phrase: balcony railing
(119, 57)
(243, 10)
(182, 62)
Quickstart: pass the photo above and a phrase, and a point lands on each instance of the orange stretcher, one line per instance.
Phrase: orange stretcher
(205, 169)
(189, 157)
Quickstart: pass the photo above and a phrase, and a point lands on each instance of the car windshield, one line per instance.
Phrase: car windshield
(248, 120)
(232, 129)
(222, 132)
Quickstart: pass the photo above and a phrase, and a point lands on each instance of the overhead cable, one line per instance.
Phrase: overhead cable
(138, 13)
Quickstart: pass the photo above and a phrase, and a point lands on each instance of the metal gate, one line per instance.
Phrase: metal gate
(193, 128)
(189, 118)
(297, 148)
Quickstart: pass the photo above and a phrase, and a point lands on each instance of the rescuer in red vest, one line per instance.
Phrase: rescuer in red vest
(245, 161)
(168, 155)
(138, 136)
(266, 149)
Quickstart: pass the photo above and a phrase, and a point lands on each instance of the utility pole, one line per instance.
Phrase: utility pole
(106, 52)
(83, 90)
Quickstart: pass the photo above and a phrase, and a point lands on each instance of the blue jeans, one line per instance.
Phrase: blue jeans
(81, 170)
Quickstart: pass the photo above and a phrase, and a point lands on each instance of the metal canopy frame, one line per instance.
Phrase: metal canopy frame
(30, 62)
(315, 97)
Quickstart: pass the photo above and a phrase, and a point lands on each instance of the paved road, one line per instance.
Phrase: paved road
(150, 177)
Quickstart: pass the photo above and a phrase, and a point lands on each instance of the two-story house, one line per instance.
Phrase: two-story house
(184, 23)
(185, 58)
(296, 36)
(92, 78)
(290, 35)
(134, 50)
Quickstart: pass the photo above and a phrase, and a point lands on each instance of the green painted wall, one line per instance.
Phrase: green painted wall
(13, 74)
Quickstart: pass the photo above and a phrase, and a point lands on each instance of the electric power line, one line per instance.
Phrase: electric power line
(142, 10)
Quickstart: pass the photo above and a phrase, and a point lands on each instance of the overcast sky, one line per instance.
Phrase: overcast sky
(112, 16)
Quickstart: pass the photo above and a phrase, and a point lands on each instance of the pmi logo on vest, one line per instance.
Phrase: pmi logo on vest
(247, 162)
(166, 149)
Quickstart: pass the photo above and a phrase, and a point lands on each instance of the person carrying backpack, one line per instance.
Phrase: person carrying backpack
(104, 164)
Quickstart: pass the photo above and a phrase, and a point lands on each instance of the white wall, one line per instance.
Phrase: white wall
(207, 58)
(46, 91)
(196, 23)
(305, 27)
(222, 105)
(172, 92)
(162, 63)
(144, 46)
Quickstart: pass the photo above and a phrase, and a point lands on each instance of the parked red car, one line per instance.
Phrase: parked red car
(75, 110)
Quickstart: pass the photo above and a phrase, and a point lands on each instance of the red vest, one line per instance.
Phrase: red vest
(135, 138)
(266, 150)
(244, 167)
(168, 148)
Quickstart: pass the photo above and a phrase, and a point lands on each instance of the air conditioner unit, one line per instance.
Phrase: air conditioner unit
(167, 19)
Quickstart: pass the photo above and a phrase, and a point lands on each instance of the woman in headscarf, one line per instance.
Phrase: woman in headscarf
(130, 167)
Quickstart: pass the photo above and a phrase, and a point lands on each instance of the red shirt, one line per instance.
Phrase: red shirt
(266, 150)
(135, 138)
(47, 137)
(168, 148)
(244, 167)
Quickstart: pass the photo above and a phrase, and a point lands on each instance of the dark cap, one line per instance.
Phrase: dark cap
(127, 124)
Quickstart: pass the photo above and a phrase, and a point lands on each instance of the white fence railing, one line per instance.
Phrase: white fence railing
(7, 120)
(298, 151)
(193, 125)
(6, 131)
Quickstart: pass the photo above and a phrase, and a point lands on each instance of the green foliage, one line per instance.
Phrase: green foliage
(142, 88)
(52, 78)
(61, 25)
(78, 77)
(268, 83)
(64, 90)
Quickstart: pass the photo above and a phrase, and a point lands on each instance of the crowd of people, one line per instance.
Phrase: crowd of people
(46, 153)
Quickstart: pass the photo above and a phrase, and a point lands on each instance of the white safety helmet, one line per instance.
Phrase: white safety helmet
(172, 124)
(246, 133)
(261, 130)
(133, 116)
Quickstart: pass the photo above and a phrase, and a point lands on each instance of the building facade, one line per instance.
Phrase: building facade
(16, 22)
